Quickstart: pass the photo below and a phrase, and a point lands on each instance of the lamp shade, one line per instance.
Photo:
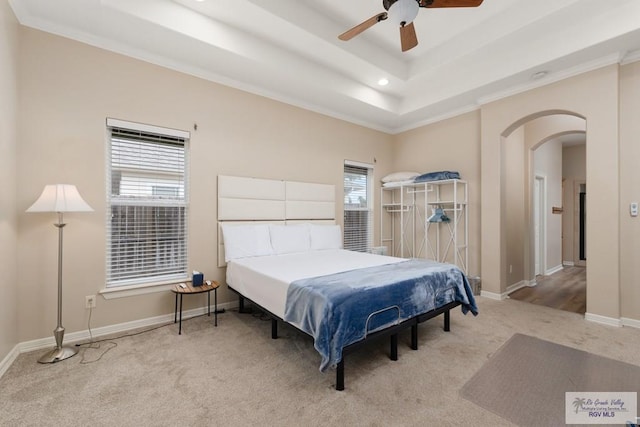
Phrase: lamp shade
(403, 11)
(60, 198)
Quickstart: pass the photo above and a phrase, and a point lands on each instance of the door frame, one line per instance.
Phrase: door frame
(540, 232)
(576, 224)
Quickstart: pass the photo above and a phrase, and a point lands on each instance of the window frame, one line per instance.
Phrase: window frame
(138, 285)
(369, 208)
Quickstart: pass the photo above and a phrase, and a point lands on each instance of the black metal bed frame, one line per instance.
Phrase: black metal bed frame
(391, 331)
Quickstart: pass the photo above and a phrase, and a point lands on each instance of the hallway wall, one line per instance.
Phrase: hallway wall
(594, 96)
(574, 160)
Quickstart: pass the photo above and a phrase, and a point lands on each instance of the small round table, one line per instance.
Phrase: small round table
(192, 290)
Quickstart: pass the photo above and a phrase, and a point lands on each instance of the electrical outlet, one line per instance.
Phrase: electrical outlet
(90, 301)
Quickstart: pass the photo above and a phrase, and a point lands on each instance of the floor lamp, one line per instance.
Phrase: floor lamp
(59, 198)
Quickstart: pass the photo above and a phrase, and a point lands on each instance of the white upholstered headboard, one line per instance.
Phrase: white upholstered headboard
(242, 199)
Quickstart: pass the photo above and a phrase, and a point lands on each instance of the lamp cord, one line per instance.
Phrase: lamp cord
(95, 344)
(111, 344)
(89, 325)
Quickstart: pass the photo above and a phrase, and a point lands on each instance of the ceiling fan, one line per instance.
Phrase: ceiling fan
(402, 13)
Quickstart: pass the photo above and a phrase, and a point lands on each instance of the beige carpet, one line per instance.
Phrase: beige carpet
(236, 375)
(526, 380)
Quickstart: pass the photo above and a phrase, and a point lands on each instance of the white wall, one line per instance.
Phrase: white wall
(604, 97)
(67, 91)
(438, 147)
(513, 205)
(547, 162)
(8, 220)
(629, 192)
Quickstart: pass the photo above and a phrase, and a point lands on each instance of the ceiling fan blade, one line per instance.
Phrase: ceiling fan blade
(408, 37)
(349, 34)
(450, 3)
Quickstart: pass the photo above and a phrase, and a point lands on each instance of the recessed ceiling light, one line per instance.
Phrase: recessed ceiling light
(383, 81)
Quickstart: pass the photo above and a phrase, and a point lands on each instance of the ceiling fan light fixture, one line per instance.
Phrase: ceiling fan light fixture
(403, 12)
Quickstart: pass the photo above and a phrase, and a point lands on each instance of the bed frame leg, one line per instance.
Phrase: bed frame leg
(414, 337)
(241, 307)
(447, 321)
(394, 347)
(274, 328)
(340, 375)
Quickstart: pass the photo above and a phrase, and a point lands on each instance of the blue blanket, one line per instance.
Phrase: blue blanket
(437, 176)
(336, 309)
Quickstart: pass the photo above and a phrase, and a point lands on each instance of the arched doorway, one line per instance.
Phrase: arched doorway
(533, 211)
(594, 97)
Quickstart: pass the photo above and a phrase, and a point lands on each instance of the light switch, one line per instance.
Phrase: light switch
(633, 208)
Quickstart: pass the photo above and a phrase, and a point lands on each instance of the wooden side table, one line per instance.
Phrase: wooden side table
(193, 290)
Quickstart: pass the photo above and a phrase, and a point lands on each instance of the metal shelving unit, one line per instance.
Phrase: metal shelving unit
(406, 228)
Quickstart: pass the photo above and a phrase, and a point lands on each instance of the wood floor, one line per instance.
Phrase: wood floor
(565, 290)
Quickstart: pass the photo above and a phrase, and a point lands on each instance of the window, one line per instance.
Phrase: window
(358, 203)
(146, 204)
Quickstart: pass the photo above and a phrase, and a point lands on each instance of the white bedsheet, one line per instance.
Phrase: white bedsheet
(265, 279)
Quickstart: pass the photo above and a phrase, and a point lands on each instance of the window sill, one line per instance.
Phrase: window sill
(134, 290)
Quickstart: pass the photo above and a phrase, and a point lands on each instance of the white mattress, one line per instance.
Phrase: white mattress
(265, 280)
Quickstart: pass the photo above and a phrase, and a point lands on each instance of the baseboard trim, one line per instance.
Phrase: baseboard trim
(633, 323)
(553, 270)
(9, 359)
(568, 263)
(521, 284)
(42, 343)
(494, 296)
(604, 320)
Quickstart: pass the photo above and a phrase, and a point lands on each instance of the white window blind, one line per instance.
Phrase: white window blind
(147, 206)
(358, 212)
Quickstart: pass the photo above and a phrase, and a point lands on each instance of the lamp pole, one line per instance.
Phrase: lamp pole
(60, 352)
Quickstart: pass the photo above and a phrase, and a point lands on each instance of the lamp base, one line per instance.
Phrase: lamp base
(58, 354)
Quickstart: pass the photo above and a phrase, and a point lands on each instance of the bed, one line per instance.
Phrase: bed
(295, 270)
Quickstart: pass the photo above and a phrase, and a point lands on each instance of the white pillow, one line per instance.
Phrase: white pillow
(325, 237)
(399, 176)
(243, 241)
(287, 239)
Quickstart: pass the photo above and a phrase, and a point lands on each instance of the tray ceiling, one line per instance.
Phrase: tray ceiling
(288, 50)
